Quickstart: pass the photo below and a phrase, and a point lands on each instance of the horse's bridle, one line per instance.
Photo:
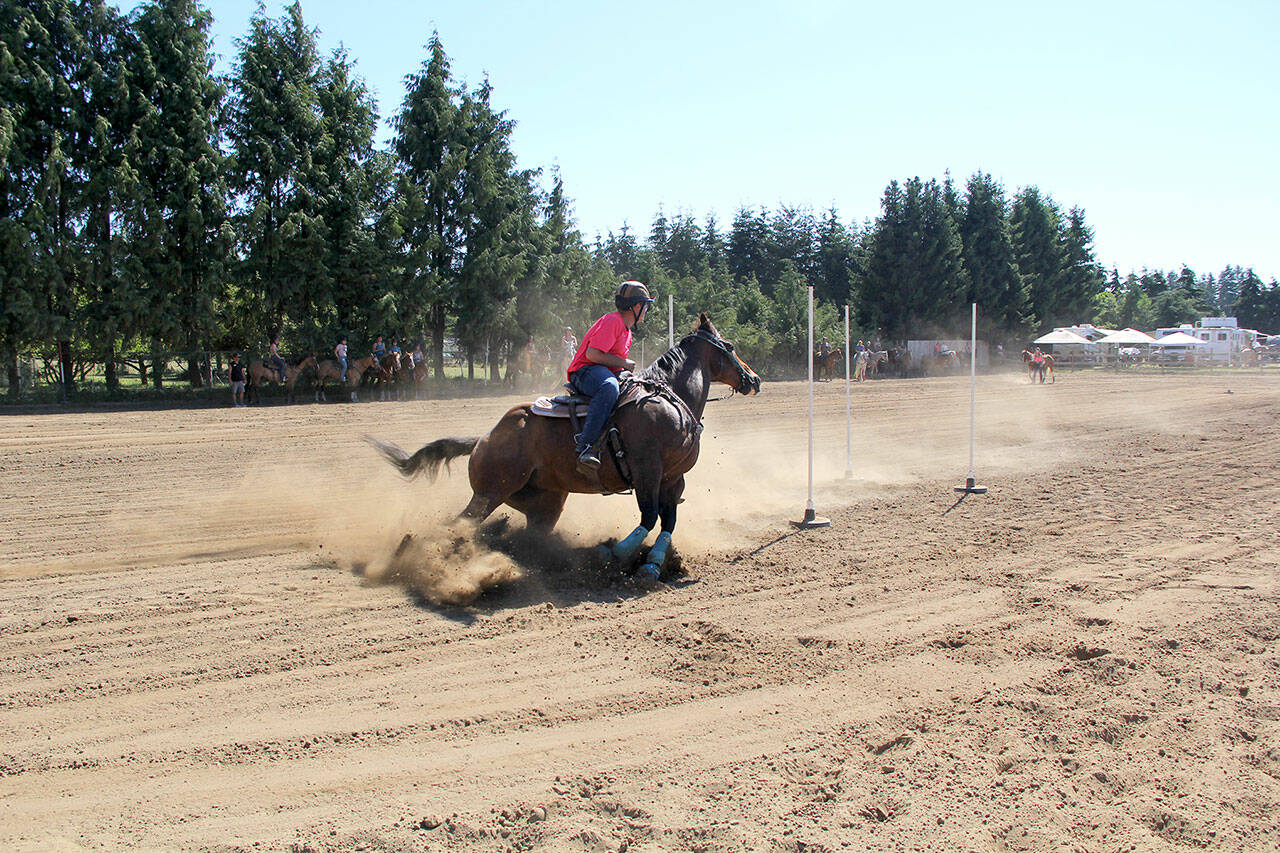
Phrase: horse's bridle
(744, 378)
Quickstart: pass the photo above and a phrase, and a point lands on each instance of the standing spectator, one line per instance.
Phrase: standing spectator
(237, 381)
(340, 353)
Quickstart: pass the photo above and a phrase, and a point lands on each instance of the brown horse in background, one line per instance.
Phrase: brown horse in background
(330, 371)
(259, 372)
(388, 375)
(528, 461)
(824, 366)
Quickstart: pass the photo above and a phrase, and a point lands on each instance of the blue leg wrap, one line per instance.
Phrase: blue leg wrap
(657, 554)
(627, 548)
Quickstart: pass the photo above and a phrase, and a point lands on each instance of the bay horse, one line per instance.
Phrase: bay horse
(259, 372)
(824, 366)
(529, 463)
(330, 371)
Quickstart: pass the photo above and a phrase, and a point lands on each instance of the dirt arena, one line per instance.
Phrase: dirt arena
(196, 651)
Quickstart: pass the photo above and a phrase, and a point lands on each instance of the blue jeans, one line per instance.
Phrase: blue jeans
(601, 385)
(342, 360)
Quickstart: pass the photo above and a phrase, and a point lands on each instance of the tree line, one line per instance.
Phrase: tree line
(148, 204)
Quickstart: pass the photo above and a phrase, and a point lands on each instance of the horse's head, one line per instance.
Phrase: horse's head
(724, 364)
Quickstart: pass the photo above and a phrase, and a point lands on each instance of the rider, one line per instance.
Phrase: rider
(824, 348)
(602, 354)
(379, 349)
(273, 356)
(340, 353)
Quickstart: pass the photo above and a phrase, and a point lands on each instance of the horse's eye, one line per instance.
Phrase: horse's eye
(728, 346)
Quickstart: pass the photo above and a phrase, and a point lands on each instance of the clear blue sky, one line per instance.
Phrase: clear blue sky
(1160, 119)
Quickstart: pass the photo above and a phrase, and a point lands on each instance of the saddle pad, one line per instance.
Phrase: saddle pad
(550, 407)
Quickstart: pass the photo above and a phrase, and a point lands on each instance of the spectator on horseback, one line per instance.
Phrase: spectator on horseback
(379, 349)
(824, 348)
(273, 357)
(601, 356)
(340, 353)
(861, 347)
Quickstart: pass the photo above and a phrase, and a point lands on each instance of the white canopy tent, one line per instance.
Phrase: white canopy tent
(1127, 338)
(1060, 337)
(1180, 339)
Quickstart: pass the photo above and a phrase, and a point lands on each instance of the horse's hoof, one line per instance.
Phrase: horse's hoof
(604, 554)
(649, 576)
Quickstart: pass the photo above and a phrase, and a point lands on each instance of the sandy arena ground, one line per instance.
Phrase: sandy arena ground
(195, 652)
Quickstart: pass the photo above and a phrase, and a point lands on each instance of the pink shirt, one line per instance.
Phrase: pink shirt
(609, 334)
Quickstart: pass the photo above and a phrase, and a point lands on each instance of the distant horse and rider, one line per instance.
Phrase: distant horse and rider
(260, 372)
(1039, 365)
(525, 365)
(330, 371)
(529, 462)
(826, 363)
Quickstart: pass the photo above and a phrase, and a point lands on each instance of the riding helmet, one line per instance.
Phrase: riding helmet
(631, 293)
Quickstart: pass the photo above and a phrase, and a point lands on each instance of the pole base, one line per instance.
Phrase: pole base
(810, 521)
(970, 489)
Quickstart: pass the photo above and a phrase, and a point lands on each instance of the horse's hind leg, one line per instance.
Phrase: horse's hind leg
(480, 507)
(541, 508)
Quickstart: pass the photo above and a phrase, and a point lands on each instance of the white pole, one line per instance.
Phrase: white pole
(969, 487)
(809, 505)
(671, 320)
(973, 378)
(848, 403)
(810, 519)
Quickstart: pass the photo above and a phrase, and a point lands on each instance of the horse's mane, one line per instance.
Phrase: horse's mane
(666, 366)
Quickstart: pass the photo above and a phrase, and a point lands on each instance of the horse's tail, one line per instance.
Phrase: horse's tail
(427, 460)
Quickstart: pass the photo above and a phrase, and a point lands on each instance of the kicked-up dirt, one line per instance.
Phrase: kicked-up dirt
(206, 643)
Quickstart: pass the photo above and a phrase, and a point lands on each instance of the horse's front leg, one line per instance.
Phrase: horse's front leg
(668, 501)
(648, 500)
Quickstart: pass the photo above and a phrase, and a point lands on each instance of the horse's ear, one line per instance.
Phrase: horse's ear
(704, 322)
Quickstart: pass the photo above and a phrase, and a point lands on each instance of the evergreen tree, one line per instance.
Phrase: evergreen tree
(432, 147)
(713, 248)
(354, 192)
(684, 255)
(1081, 277)
(836, 260)
(274, 129)
(622, 253)
(748, 249)
(987, 251)
(1252, 307)
(181, 175)
(1034, 225)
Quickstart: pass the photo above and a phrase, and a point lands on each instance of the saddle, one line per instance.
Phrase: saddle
(631, 391)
